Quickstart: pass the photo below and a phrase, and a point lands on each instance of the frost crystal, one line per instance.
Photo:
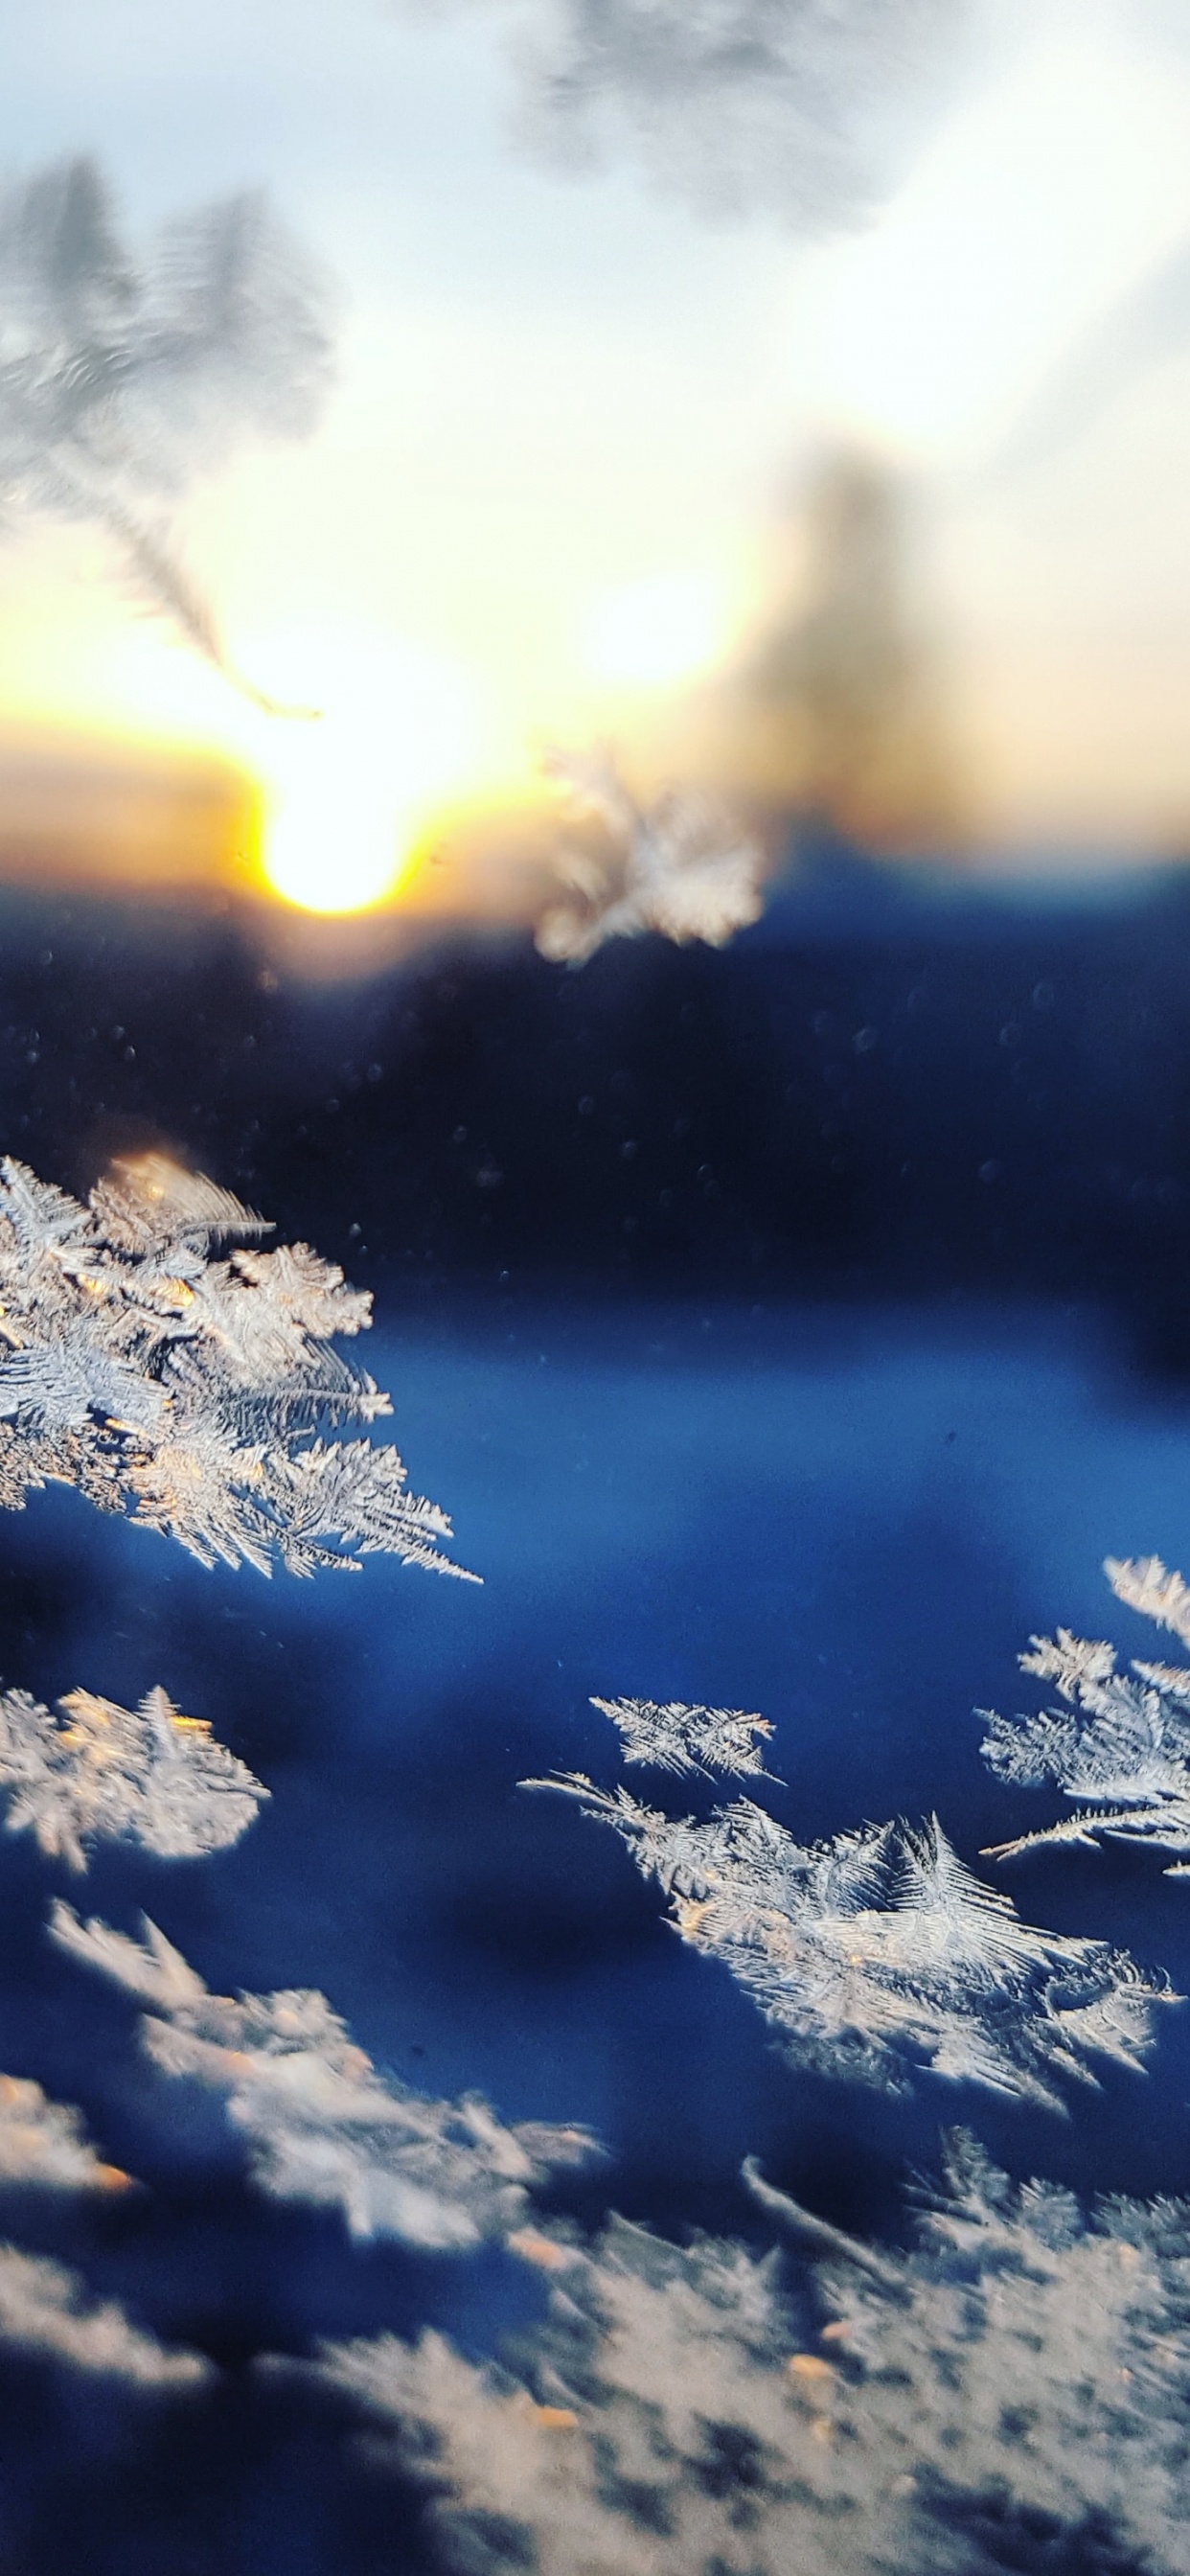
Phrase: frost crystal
(683, 867)
(322, 2125)
(806, 107)
(877, 1953)
(45, 2308)
(187, 1389)
(1124, 1743)
(116, 387)
(101, 1773)
(45, 2142)
(1145, 1584)
(677, 1738)
(1014, 2391)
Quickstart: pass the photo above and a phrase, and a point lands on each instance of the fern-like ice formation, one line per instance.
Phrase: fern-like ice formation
(1123, 1742)
(877, 1954)
(189, 1390)
(1014, 2391)
(675, 1737)
(118, 384)
(99, 1773)
(682, 866)
(809, 109)
(46, 2309)
(45, 2142)
(1145, 1584)
(321, 2124)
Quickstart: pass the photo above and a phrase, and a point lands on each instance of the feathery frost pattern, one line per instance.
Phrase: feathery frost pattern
(807, 107)
(100, 1773)
(682, 867)
(878, 1954)
(1013, 2391)
(674, 1737)
(321, 2124)
(186, 1389)
(1145, 1584)
(1122, 1742)
(45, 2142)
(117, 386)
(44, 2308)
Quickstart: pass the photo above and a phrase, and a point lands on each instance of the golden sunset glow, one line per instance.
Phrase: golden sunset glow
(559, 490)
(350, 786)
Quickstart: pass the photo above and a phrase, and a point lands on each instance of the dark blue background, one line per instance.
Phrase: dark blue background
(838, 1479)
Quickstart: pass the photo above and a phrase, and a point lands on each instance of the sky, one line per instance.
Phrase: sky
(575, 401)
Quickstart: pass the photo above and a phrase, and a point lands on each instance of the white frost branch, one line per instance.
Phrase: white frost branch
(1122, 1742)
(190, 1390)
(878, 1954)
(45, 2142)
(321, 2124)
(100, 1773)
(807, 109)
(1146, 1585)
(44, 2308)
(674, 1737)
(1013, 2390)
(682, 867)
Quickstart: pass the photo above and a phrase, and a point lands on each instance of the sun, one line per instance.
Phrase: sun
(348, 789)
(337, 832)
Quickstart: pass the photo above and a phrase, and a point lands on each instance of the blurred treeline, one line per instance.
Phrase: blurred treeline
(837, 708)
(876, 1092)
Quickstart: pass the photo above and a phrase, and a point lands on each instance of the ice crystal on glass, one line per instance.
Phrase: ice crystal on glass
(118, 382)
(674, 1737)
(877, 1954)
(45, 2142)
(809, 108)
(1148, 1586)
(322, 2124)
(682, 866)
(45, 2308)
(190, 1389)
(1122, 1740)
(1012, 2391)
(98, 1773)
